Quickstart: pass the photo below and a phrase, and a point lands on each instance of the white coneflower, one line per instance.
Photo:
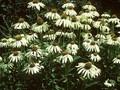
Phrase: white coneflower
(65, 57)
(59, 33)
(86, 27)
(95, 57)
(70, 12)
(88, 70)
(104, 29)
(10, 41)
(53, 15)
(35, 52)
(109, 83)
(31, 36)
(72, 48)
(97, 24)
(100, 38)
(86, 42)
(117, 59)
(87, 14)
(21, 24)
(95, 13)
(54, 48)
(92, 47)
(87, 36)
(67, 5)
(89, 7)
(105, 15)
(114, 19)
(35, 4)
(76, 25)
(118, 25)
(70, 35)
(33, 68)
(16, 56)
(50, 35)
(63, 22)
(40, 26)
(4, 42)
(19, 41)
(85, 20)
(113, 41)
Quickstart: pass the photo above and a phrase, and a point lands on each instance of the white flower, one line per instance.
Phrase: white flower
(88, 70)
(100, 38)
(53, 15)
(92, 47)
(85, 20)
(86, 27)
(75, 23)
(4, 42)
(33, 68)
(19, 41)
(72, 48)
(104, 29)
(87, 14)
(40, 28)
(87, 36)
(54, 48)
(70, 12)
(89, 7)
(67, 5)
(21, 24)
(97, 24)
(105, 15)
(95, 57)
(66, 57)
(31, 36)
(113, 40)
(86, 42)
(109, 83)
(117, 59)
(95, 13)
(118, 25)
(114, 20)
(50, 36)
(63, 22)
(70, 35)
(59, 33)
(9, 41)
(16, 56)
(35, 4)
(35, 52)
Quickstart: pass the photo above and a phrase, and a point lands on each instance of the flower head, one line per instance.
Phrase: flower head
(21, 24)
(72, 48)
(35, 4)
(117, 59)
(109, 83)
(88, 70)
(54, 48)
(15, 56)
(35, 52)
(52, 15)
(65, 57)
(95, 57)
(20, 41)
(33, 68)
